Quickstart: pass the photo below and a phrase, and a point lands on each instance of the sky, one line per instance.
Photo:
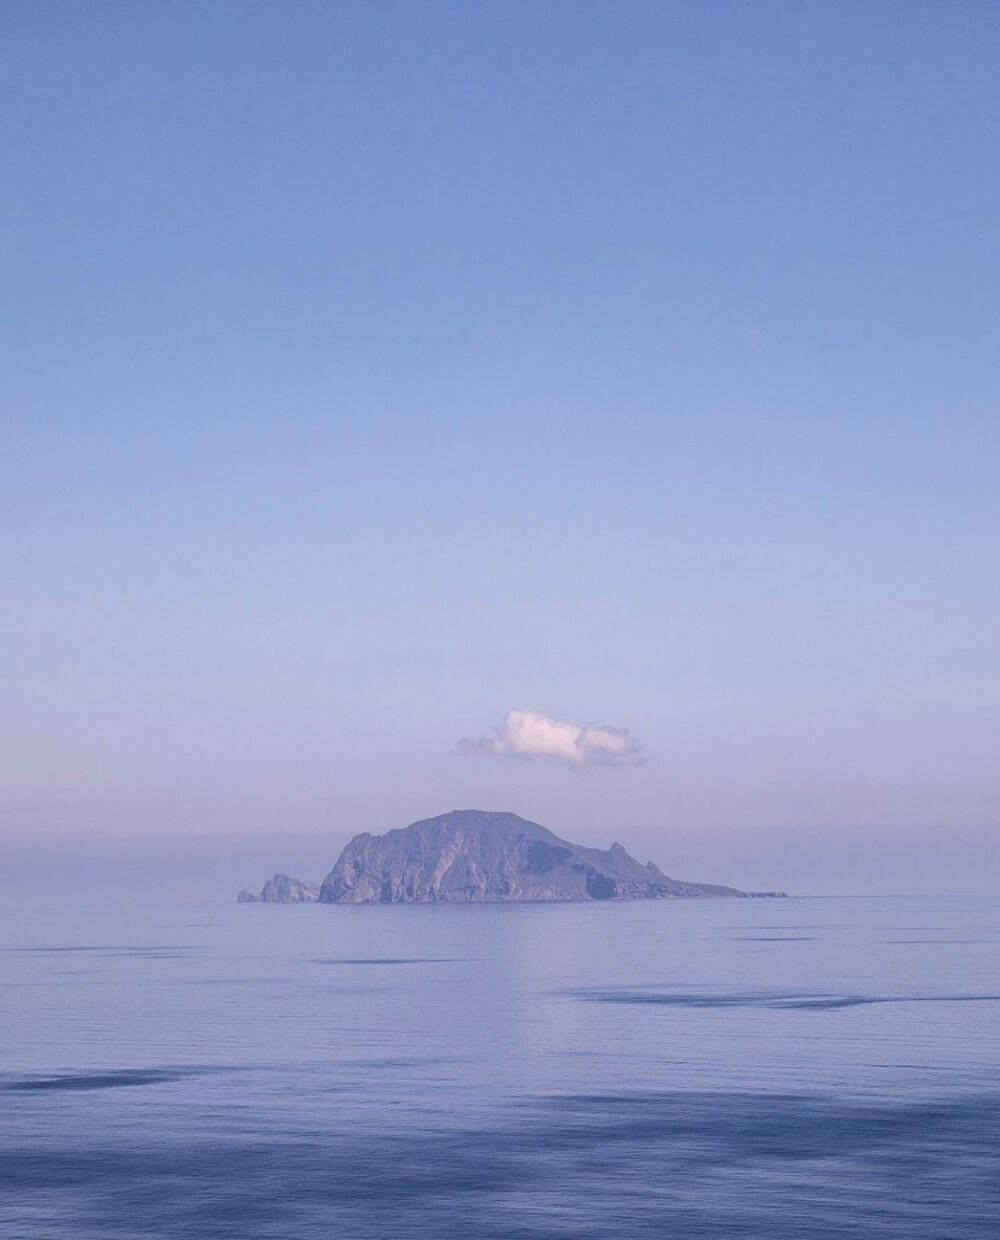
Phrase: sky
(587, 410)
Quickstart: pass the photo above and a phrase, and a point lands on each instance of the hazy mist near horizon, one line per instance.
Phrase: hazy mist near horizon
(176, 869)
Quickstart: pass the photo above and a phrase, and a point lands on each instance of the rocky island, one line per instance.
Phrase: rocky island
(282, 889)
(473, 856)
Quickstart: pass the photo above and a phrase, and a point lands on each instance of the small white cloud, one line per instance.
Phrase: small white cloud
(530, 734)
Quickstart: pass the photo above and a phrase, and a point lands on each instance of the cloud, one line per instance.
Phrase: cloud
(530, 734)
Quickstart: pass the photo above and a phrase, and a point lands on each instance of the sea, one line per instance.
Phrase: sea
(762, 1068)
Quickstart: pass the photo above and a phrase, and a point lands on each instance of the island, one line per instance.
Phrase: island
(476, 856)
(282, 889)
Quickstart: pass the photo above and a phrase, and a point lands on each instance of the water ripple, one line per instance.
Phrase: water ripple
(652, 996)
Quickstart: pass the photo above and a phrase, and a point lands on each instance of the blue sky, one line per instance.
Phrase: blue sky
(373, 370)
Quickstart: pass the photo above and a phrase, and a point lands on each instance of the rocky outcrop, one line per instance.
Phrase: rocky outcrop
(471, 855)
(282, 889)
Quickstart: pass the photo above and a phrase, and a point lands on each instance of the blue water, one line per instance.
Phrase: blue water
(773, 1069)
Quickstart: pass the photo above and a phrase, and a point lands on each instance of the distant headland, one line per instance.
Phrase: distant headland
(474, 856)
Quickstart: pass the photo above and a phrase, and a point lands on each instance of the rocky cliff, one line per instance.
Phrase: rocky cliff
(471, 855)
(282, 889)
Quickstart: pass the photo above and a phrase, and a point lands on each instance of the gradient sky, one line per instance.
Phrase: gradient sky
(372, 370)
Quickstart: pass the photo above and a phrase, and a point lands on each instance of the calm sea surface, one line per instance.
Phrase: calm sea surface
(746, 1068)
